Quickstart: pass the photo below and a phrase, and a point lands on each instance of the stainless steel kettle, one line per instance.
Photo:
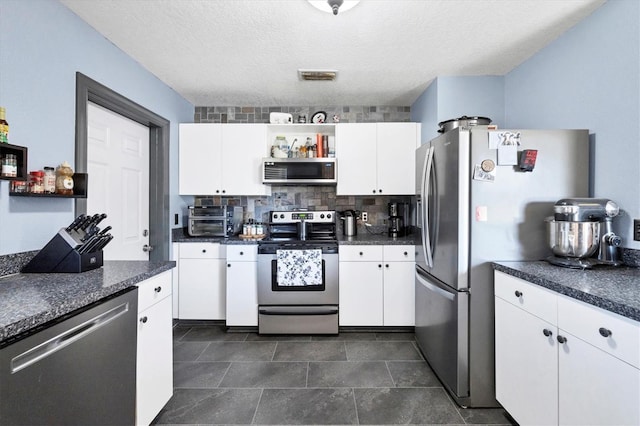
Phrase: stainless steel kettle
(349, 218)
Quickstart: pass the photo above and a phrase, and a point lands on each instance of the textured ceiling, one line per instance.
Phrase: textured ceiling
(247, 52)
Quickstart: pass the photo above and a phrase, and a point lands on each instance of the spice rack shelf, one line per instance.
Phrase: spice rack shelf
(79, 189)
(21, 158)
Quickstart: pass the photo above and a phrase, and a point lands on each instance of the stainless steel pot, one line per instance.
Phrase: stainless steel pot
(573, 239)
(465, 121)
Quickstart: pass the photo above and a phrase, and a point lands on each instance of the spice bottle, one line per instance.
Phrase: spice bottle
(64, 179)
(36, 182)
(49, 180)
(4, 126)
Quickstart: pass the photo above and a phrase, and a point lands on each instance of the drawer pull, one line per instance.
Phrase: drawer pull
(204, 250)
(605, 332)
(547, 332)
(157, 289)
(406, 254)
(562, 339)
(379, 266)
(241, 253)
(518, 293)
(228, 265)
(361, 253)
(386, 266)
(143, 320)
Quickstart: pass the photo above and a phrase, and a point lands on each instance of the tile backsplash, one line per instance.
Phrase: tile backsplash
(313, 198)
(345, 114)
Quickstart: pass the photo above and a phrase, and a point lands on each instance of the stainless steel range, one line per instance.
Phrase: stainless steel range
(298, 274)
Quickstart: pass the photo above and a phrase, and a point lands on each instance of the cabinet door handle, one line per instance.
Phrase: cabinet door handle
(406, 254)
(224, 191)
(380, 191)
(561, 339)
(361, 253)
(379, 266)
(241, 253)
(386, 266)
(547, 332)
(605, 332)
(519, 293)
(204, 250)
(143, 320)
(228, 265)
(157, 289)
(217, 191)
(374, 191)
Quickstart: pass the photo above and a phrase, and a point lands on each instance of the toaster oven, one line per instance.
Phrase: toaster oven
(214, 221)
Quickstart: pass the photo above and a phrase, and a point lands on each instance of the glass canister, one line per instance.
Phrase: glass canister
(36, 182)
(64, 179)
(49, 180)
(9, 166)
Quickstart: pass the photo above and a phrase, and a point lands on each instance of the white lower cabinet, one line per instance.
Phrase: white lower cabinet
(202, 272)
(560, 361)
(154, 360)
(376, 285)
(242, 285)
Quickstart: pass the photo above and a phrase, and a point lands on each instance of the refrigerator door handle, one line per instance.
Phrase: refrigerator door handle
(434, 288)
(426, 181)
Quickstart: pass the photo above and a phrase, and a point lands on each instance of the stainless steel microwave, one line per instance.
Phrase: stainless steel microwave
(304, 171)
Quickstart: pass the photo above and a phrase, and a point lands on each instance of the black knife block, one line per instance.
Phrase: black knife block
(60, 255)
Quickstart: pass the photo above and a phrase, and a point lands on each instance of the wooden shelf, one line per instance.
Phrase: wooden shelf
(21, 156)
(80, 184)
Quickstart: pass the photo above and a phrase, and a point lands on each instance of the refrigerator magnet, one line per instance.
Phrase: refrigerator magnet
(507, 154)
(481, 175)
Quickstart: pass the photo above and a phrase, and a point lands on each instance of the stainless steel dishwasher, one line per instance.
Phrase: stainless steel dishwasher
(79, 371)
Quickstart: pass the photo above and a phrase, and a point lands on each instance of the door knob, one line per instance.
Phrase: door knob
(147, 248)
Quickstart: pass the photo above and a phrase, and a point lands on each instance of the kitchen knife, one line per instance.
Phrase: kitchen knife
(104, 240)
(88, 245)
(105, 230)
(75, 222)
(100, 218)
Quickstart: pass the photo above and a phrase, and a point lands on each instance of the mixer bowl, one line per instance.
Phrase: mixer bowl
(573, 239)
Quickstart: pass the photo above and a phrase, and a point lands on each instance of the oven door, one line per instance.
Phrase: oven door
(270, 292)
(207, 226)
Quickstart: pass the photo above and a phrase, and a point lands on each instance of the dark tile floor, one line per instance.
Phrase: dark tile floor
(352, 378)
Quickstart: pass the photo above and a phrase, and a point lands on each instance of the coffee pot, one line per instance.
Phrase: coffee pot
(580, 233)
(397, 212)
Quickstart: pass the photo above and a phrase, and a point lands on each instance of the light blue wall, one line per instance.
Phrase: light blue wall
(452, 97)
(42, 46)
(424, 110)
(590, 78)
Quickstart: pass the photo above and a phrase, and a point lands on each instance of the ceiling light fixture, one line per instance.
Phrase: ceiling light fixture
(317, 75)
(332, 6)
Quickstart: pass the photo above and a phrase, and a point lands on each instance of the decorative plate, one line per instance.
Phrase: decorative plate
(319, 117)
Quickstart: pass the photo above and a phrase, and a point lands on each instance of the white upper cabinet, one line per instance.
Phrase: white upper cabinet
(376, 158)
(200, 161)
(222, 159)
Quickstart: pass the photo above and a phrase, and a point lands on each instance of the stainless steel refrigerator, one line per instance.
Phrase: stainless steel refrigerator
(471, 210)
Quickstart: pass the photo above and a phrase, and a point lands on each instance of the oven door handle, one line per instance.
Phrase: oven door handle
(298, 310)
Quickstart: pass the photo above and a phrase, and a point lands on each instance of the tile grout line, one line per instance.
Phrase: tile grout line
(255, 412)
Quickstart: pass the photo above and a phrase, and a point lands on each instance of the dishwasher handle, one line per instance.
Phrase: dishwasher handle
(66, 338)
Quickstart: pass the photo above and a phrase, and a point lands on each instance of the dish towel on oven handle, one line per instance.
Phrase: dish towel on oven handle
(299, 267)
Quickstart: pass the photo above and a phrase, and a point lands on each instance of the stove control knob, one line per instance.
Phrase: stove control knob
(282, 216)
(275, 215)
(329, 216)
(322, 216)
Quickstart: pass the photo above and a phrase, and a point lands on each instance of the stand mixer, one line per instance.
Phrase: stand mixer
(581, 233)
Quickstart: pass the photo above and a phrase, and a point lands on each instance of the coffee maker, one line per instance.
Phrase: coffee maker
(398, 219)
(581, 233)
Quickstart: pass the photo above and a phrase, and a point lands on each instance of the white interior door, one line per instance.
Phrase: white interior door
(118, 181)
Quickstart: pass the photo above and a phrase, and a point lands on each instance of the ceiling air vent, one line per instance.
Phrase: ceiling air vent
(317, 75)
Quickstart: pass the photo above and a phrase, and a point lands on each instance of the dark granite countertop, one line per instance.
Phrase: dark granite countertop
(610, 288)
(28, 301)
